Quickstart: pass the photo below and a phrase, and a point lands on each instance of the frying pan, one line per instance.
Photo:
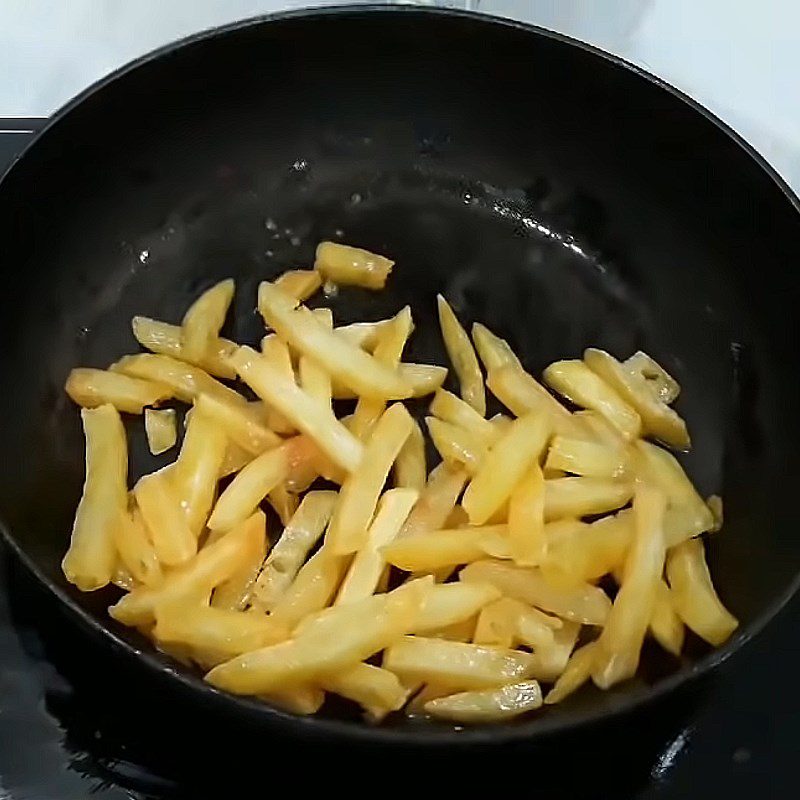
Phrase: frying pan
(557, 194)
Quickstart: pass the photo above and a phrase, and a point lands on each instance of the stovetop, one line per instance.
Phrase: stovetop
(68, 732)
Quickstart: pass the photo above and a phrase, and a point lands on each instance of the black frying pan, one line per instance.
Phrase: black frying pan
(558, 195)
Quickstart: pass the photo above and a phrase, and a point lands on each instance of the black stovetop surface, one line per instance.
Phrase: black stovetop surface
(68, 732)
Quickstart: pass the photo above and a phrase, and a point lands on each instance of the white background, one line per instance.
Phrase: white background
(740, 59)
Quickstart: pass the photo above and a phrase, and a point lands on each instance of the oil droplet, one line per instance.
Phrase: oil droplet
(338, 233)
(295, 240)
(270, 224)
(269, 254)
(741, 755)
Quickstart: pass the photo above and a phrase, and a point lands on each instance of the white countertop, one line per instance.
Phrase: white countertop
(740, 59)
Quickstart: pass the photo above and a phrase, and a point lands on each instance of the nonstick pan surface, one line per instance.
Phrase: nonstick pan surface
(560, 196)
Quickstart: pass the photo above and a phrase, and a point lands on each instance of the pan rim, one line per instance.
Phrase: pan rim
(323, 728)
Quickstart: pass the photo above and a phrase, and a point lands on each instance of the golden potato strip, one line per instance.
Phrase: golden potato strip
(580, 552)
(345, 636)
(597, 428)
(457, 665)
(161, 429)
(91, 388)
(196, 472)
(347, 265)
(457, 446)
(410, 468)
(364, 374)
(449, 408)
(315, 381)
(202, 322)
(250, 486)
(135, 549)
(283, 502)
(234, 594)
(508, 622)
(307, 462)
(457, 518)
(376, 690)
(687, 514)
(369, 564)
(240, 423)
(662, 384)
(123, 578)
(91, 558)
(424, 379)
(212, 565)
(658, 418)
(302, 700)
(534, 628)
(579, 497)
(493, 351)
(277, 353)
(522, 394)
(450, 604)
(462, 356)
(165, 339)
(500, 423)
(225, 632)
(504, 465)
(487, 705)
(581, 386)
(620, 643)
(312, 589)
(714, 503)
(173, 539)
(431, 550)
(425, 693)
(184, 380)
(389, 351)
(457, 632)
(290, 551)
(694, 596)
(299, 407)
(527, 540)
(362, 334)
(299, 284)
(588, 459)
(235, 458)
(575, 674)
(496, 624)
(313, 378)
(582, 603)
(436, 501)
(666, 625)
(360, 491)
(549, 662)
(416, 587)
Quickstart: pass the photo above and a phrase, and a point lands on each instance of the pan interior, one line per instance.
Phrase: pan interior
(547, 192)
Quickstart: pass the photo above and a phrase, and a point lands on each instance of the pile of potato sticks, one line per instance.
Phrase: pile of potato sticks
(496, 554)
